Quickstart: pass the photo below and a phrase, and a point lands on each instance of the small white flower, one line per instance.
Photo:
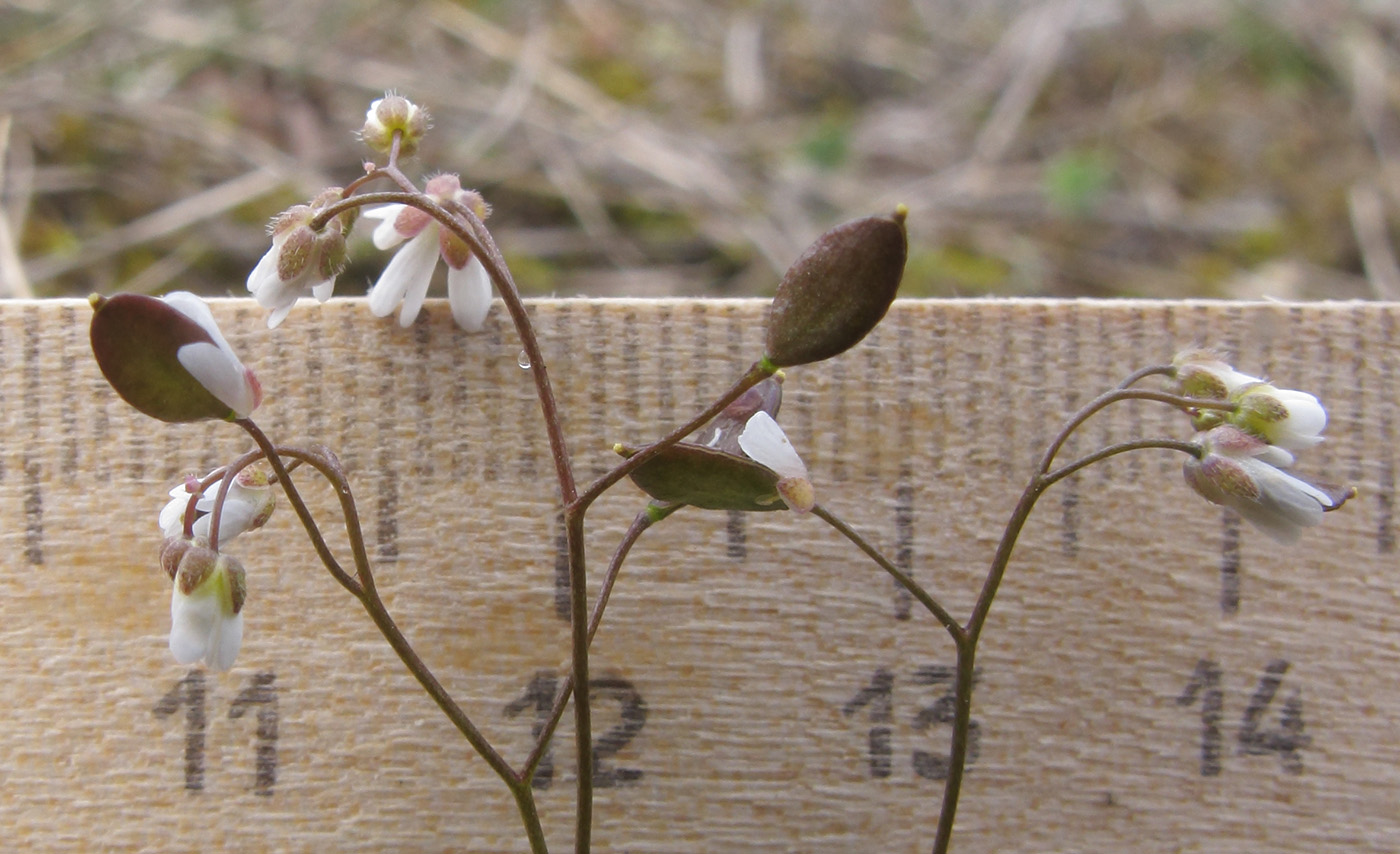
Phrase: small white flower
(1280, 416)
(213, 363)
(406, 278)
(247, 506)
(206, 605)
(300, 262)
(764, 442)
(1239, 471)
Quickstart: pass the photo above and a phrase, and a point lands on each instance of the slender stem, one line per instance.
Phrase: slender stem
(1115, 395)
(583, 718)
(529, 815)
(640, 524)
(378, 613)
(1043, 478)
(1064, 471)
(465, 224)
(957, 760)
(1143, 373)
(914, 588)
(755, 375)
(284, 477)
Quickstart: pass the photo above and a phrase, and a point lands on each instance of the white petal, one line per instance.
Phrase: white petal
(1274, 456)
(219, 371)
(1286, 504)
(1232, 378)
(265, 272)
(381, 212)
(197, 310)
(469, 294)
(237, 518)
(279, 314)
(172, 515)
(766, 443)
(224, 642)
(192, 621)
(323, 291)
(1306, 417)
(411, 266)
(386, 236)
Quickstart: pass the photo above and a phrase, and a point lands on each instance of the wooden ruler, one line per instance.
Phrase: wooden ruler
(1155, 677)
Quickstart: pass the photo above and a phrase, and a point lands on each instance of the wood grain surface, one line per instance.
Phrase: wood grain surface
(1155, 677)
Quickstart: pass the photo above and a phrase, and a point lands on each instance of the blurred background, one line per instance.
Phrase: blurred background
(1160, 148)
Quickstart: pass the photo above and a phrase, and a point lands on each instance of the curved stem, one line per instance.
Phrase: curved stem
(1143, 373)
(967, 645)
(1087, 460)
(465, 224)
(1123, 393)
(915, 589)
(379, 614)
(284, 477)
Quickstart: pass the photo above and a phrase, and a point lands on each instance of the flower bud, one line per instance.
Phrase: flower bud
(394, 114)
(1204, 374)
(302, 259)
(1280, 416)
(167, 358)
(247, 506)
(172, 551)
(1240, 471)
(195, 566)
(837, 291)
(206, 604)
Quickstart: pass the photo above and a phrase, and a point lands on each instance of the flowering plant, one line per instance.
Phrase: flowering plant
(169, 360)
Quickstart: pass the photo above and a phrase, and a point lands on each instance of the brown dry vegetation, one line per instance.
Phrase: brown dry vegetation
(1163, 148)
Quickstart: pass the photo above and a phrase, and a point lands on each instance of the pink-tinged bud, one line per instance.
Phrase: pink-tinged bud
(1237, 470)
(172, 551)
(168, 359)
(837, 291)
